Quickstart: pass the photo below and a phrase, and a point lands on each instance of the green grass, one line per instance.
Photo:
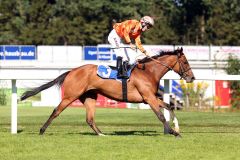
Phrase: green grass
(6, 93)
(131, 134)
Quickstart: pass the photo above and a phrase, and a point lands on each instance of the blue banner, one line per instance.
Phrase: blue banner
(12, 53)
(18, 52)
(28, 52)
(1, 53)
(90, 52)
(104, 53)
(98, 53)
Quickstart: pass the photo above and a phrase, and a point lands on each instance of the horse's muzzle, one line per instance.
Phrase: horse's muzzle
(190, 79)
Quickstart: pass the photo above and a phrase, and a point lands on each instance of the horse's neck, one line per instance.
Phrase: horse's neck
(158, 70)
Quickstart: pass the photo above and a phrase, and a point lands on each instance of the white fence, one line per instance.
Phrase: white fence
(193, 53)
(71, 54)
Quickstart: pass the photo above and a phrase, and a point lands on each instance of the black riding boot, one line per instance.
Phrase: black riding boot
(119, 67)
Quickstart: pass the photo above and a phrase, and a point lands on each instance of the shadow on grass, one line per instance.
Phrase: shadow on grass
(120, 133)
(83, 133)
(140, 133)
(19, 130)
(127, 133)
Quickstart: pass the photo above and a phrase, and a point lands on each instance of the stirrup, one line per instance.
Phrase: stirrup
(126, 65)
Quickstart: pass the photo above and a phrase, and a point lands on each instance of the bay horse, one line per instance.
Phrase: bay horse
(84, 84)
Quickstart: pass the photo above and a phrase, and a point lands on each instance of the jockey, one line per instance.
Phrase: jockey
(128, 31)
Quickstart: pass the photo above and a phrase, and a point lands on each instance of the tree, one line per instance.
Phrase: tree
(73, 22)
(233, 68)
(12, 21)
(162, 32)
(224, 27)
(191, 20)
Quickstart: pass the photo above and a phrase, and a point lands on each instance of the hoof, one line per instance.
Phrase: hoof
(176, 129)
(41, 131)
(100, 134)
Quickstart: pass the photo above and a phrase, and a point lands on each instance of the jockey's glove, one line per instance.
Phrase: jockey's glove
(133, 47)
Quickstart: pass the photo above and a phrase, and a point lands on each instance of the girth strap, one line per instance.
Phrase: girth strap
(124, 89)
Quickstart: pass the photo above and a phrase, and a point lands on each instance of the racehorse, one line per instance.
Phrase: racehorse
(84, 84)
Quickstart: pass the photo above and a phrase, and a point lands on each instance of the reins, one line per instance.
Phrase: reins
(159, 62)
(182, 71)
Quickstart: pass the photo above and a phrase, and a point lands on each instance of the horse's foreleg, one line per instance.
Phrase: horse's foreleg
(175, 121)
(170, 113)
(89, 101)
(63, 104)
(155, 106)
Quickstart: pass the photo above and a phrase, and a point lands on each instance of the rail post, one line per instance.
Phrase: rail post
(166, 99)
(14, 108)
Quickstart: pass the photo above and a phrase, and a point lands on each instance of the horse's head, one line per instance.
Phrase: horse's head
(182, 66)
(177, 62)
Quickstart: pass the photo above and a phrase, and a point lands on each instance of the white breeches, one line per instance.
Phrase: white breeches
(127, 54)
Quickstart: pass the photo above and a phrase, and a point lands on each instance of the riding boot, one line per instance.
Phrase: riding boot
(119, 67)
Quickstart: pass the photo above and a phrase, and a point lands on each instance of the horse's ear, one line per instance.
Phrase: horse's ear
(176, 50)
(179, 50)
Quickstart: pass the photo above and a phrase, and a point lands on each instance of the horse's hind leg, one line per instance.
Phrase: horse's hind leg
(63, 104)
(89, 101)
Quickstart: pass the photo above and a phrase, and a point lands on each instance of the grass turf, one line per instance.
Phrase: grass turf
(131, 134)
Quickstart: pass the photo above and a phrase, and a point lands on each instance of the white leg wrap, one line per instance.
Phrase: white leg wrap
(100, 134)
(175, 121)
(166, 114)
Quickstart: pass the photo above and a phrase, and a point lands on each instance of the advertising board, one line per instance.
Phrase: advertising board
(15, 52)
(98, 53)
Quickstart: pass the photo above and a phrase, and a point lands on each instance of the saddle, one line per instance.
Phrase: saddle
(110, 72)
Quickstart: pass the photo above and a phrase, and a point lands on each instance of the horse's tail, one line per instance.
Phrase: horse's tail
(59, 80)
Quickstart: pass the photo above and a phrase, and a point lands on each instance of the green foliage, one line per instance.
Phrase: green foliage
(194, 94)
(73, 22)
(233, 68)
(223, 26)
(3, 97)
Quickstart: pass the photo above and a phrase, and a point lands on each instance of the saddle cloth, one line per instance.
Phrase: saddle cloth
(109, 72)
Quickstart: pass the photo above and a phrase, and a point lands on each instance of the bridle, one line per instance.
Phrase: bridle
(182, 72)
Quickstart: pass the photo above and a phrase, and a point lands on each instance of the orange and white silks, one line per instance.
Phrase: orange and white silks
(130, 29)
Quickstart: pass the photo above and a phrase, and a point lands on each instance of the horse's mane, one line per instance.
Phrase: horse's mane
(160, 54)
